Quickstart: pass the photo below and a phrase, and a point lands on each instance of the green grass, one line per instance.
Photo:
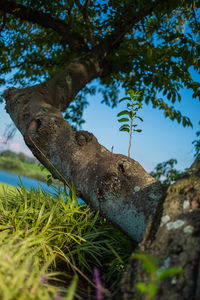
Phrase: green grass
(46, 239)
(33, 167)
(4, 188)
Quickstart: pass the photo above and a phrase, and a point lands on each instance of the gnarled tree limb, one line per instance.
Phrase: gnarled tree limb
(114, 184)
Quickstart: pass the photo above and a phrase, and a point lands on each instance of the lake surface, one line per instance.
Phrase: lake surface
(13, 179)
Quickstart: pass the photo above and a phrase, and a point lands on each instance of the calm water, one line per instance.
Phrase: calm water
(13, 179)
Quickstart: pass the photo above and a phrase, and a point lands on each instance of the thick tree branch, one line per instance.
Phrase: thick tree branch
(25, 13)
(114, 184)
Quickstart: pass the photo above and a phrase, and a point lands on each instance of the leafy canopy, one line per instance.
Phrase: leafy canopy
(151, 46)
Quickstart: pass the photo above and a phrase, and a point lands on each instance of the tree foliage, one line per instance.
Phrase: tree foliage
(166, 172)
(149, 46)
(196, 144)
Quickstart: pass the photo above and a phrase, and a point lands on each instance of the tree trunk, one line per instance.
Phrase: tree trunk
(114, 184)
(175, 241)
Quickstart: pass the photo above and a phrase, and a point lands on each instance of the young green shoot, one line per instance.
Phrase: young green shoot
(155, 273)
(129, 115)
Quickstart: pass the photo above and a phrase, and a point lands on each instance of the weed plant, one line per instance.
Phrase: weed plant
(45, 239)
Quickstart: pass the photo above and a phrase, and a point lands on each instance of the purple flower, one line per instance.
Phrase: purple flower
(58, 296)
(43, 278)
(97, 279)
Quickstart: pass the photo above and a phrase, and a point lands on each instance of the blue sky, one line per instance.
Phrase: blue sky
(160, 139)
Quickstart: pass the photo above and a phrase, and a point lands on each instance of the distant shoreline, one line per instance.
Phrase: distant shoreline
(21, 165)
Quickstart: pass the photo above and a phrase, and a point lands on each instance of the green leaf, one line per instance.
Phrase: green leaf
(169, 96)
(72, 288)
(129, 105)
(125, 125)
(138, 130)
(149, 263)
(141, 287)
(124, 129)
(131, 114)
(149, 52)
(49, 180)
(124, 120)
(133, 94)
(152, 289)
(165, 92)
(169, 272)
(123, 112)
(147, 99)
(42, 168)
(125, 98)
(139, 118)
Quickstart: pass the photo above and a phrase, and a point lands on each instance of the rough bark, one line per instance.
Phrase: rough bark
(175, 242)
(114, 184)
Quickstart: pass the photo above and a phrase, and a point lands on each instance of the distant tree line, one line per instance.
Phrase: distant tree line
(19, 156)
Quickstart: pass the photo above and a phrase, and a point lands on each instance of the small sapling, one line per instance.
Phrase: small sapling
(129, 115)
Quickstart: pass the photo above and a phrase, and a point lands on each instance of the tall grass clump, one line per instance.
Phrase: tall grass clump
(49, 238)
(23, 274)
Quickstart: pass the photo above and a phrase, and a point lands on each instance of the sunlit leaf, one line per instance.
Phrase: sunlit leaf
(124, 120)
(72, 288)
(139, 118)
(125, 126)
(125, 129)
(149, 263)
(125, 98)
(152, 289)
(124, 112)
(169, 272)
(141, 287)
(138, 130)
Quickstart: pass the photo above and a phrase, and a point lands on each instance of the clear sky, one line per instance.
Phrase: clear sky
(160, 139)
